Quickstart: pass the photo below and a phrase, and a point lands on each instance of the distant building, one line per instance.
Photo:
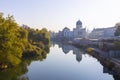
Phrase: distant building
(102, 33)
(66, 32)
(96, 33)
(77, 32)
(109, 32)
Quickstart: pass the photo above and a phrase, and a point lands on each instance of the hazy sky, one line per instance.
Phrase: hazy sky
(56, 14)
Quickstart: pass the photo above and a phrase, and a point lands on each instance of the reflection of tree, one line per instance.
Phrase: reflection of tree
(14, 73)
(20, 46)
(17, 72)
(116, 77)
(108, 69)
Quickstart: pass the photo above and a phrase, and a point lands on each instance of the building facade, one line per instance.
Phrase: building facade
(102, 33)
(77, 32)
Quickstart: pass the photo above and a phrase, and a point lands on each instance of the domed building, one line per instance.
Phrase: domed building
(78, 32)
(78, 24)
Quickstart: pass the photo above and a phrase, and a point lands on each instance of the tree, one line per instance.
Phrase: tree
(12, 40)
(18, 42)
(117, 32)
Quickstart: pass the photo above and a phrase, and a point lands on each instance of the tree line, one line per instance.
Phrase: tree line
(18, 43)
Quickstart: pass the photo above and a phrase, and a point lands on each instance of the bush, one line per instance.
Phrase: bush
(117, 45)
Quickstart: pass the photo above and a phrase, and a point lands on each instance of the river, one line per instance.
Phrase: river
(66, 62)
(63, 62)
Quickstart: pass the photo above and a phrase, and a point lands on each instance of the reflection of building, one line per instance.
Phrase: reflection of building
(78, 54)
(76, 51)
(77, 32)
(66, 48)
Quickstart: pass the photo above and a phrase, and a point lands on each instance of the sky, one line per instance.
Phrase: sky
(57, 14)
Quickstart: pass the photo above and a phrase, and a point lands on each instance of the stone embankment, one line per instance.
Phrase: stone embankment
(112, 63)
(92, 43)
(98, 49)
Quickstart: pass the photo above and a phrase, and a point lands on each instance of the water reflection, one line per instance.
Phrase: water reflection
(19, 72)
(67, 48)
(106, 56)
(110, 60)
(14, 73)
(74, 71)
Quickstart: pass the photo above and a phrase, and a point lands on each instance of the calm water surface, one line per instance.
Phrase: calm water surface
(67, 63)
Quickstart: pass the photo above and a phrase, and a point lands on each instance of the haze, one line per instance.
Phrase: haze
(57, 14)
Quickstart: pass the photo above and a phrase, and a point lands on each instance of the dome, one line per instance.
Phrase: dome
(66, 28)
(78, 22)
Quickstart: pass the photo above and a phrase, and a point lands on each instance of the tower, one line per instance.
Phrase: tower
(78, 24)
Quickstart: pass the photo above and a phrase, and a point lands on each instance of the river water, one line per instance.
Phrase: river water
(66, 62)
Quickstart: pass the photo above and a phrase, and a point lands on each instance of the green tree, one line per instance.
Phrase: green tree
(12, 40)
(18, 42)
(117, 32)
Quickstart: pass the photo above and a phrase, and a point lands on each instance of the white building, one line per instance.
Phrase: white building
(77, 32)
(109, 32)
(102, 33)
(66, 32)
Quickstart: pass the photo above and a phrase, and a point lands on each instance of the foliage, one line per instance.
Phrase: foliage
(117, 45)
(11, 41)
(89, 50)
(117, 32)
(38, 36)
(18, 42)
(39, 39)
(15, 72)
(38, 43)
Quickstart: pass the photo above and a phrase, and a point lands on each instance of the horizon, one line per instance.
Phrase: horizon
(55, 15)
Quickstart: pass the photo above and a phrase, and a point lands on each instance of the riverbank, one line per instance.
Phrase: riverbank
(111, 63)
(105, 52)
(102, 44)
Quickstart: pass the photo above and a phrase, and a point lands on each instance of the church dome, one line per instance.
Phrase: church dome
(78, 22)
(66, 28)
